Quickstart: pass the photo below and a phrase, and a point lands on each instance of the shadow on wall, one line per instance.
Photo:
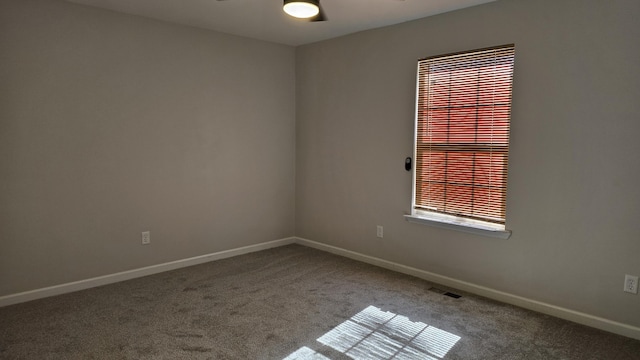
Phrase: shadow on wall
(377, 334)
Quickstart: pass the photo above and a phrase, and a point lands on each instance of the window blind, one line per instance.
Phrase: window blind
(462, 133)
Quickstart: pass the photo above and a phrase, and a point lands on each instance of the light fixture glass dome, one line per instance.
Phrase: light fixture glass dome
(301, 9)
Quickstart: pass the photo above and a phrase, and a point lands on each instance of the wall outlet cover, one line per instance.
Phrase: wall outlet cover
(631, 284)
(146, 238)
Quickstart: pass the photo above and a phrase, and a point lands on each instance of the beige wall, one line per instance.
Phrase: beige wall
(112, 124)
(573, 202)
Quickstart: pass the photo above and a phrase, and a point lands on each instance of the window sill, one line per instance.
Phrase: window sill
(477, 229)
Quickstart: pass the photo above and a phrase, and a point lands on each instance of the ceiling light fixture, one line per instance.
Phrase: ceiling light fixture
(302, 9)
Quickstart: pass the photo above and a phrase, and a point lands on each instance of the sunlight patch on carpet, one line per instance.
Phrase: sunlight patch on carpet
(306, 354)
(377, 334)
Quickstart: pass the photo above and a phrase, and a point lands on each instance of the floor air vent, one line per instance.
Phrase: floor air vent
(446, 293)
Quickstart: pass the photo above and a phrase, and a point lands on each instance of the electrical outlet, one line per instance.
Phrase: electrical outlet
(380, 231)
(631, 284)
(146, 238)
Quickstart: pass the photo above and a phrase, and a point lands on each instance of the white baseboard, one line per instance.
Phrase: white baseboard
(563, 313)
(136, 273)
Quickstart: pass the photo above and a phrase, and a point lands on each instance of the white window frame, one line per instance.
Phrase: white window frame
(447, 221)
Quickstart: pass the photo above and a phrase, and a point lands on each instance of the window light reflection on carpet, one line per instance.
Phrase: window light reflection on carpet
(306, 354)
(377, 334)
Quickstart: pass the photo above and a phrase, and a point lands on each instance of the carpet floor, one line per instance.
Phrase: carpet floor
(291, 302)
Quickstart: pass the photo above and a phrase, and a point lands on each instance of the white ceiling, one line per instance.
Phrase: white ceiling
(265, 20)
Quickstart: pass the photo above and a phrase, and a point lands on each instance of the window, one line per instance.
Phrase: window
(462, 138)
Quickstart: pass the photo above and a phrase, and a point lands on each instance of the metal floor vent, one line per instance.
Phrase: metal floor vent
(446, 293)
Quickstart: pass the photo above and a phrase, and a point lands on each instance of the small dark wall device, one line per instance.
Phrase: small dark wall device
(407, 164)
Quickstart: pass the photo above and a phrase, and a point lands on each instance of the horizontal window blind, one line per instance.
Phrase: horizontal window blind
(462, 133)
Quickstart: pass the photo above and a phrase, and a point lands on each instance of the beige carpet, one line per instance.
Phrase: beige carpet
(290, 303)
